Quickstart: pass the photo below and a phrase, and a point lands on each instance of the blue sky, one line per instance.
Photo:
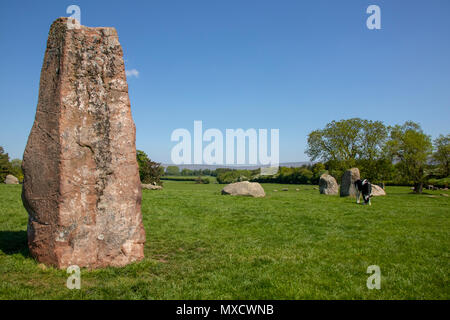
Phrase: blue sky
(288, 65)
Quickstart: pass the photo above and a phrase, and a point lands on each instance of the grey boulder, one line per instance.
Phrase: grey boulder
(151, 187)
(377, 191)
(10, 179)
(244, 188)
(348, 182)
(328, 185)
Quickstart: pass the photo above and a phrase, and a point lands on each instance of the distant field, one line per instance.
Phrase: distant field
(189, 178)
(289, 245)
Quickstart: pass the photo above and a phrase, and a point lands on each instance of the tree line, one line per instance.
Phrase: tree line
(393, 155)
(399, 154)
(13, 167)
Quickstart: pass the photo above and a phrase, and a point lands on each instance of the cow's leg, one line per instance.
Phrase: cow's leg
(357, 196)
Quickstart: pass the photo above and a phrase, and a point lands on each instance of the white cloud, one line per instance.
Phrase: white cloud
(132, 73)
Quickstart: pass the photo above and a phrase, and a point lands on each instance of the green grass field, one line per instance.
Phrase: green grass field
(188, 178)
(289, 245)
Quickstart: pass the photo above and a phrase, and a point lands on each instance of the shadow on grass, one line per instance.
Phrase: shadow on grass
(12, 242)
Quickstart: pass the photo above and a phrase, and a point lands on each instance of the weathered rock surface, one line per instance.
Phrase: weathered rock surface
(328, 185)
(244, 188)
(151, 187)
(10, 179)
(377, 191)
(348, 182)
(81, 181)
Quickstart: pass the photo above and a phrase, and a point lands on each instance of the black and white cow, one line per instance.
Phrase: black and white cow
(365, 188)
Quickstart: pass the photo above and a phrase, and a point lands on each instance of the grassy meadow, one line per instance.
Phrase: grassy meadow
(288, 245)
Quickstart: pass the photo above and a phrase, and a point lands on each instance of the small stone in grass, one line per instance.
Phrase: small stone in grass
(42, 266)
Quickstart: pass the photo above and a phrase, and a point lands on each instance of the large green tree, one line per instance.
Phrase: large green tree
(5, 165)
(317, 169)
(172, 171)
(441, 155)
(409, 147)
(187, 172)
(149, 171)
(16, 168)
(347, 143)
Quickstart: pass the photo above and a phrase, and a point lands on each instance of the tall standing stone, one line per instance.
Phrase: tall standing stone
(81, 180)
(328, 185)
(348, 182)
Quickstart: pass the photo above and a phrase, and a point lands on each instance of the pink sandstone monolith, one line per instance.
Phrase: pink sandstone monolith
(81, 180)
